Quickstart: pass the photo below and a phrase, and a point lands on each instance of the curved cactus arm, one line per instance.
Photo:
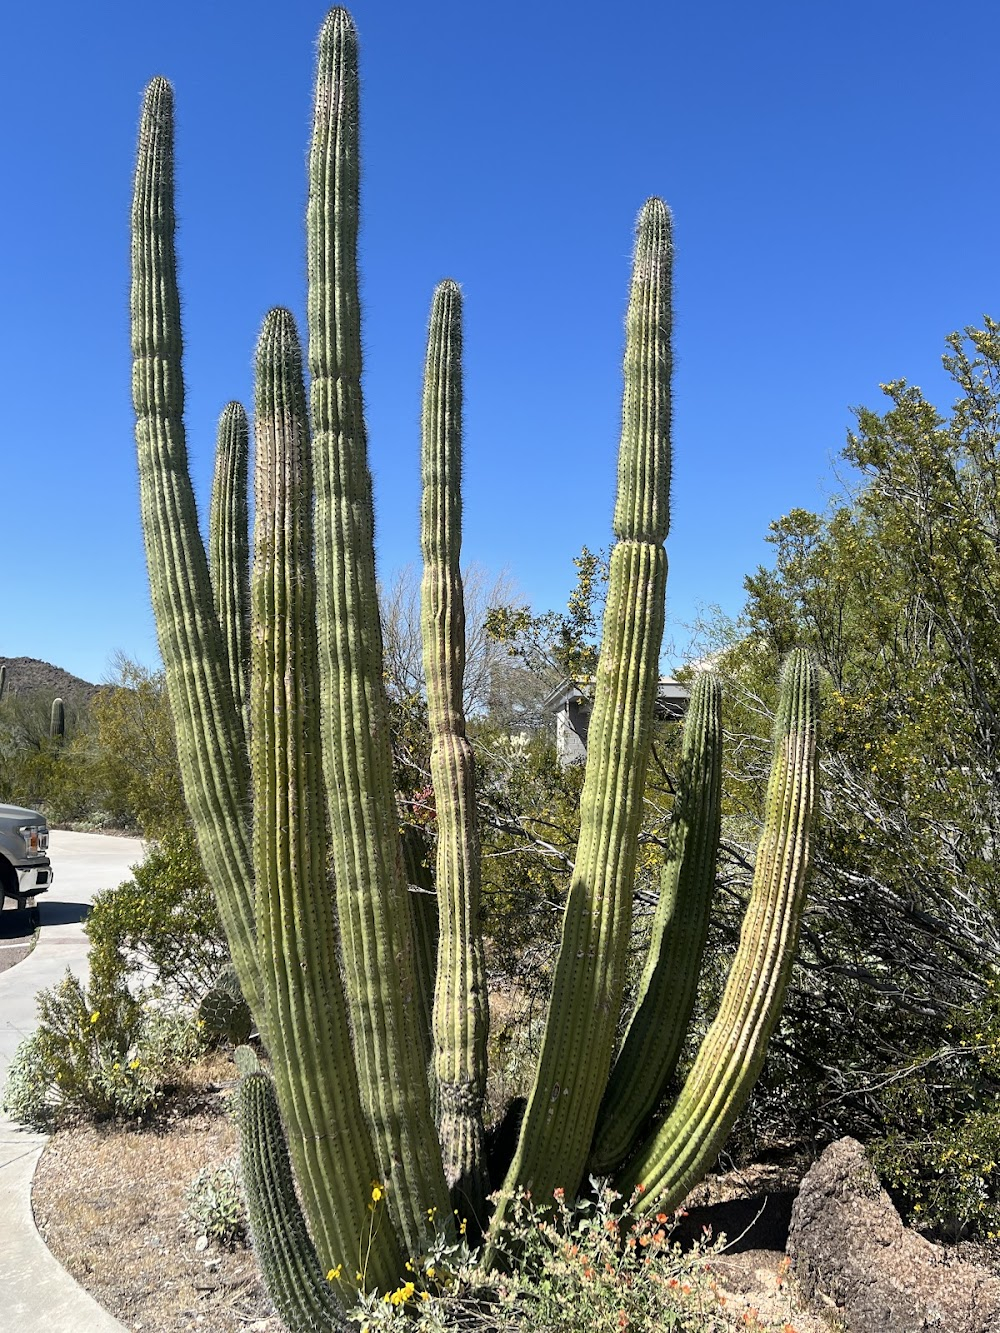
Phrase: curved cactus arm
(669, 983)
(229, 543)
(375, 918)
(587, 986)
(461, 1006)
(730, 1058)
(295, 1279)
(309, 1036)
(211, 746)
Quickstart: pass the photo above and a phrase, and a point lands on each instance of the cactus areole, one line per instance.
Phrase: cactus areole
(377, 1106)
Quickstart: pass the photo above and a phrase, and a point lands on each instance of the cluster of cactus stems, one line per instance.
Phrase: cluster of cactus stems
(372, 999)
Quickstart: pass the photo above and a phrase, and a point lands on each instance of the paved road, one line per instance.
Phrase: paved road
(37, 1295)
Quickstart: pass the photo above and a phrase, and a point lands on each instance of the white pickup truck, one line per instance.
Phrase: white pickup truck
(25, 871)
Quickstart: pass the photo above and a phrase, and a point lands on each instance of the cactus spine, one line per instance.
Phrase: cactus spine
(229, 543)
(461, 1009)
(57, 721)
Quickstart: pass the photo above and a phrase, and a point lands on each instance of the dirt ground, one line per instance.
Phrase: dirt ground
(109, 1203)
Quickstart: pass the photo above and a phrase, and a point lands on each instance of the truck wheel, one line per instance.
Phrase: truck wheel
(8, 882)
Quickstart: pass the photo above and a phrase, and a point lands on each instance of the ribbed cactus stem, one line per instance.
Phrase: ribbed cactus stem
(3, 681)
(211, 746)
(57, 721)
(295, 1279)
(732, 1053)
(229, 543)
(587, 986)
(309, 1040)
(669, 983)
(461, 1007)
(375, 925)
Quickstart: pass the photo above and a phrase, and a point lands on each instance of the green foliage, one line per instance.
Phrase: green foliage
(137, 771)
(897, 590)
(599, 1266)
(160, 928)
(96, 1063)
(214, 1205)
(939, 1149)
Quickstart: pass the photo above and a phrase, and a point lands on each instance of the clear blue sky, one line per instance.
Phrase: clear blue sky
(832, 174)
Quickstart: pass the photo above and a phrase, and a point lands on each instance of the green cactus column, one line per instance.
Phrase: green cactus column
(309, 1038)
(461, 1005)
(730, 1058)
(374, 913)
(229, 543)
(295, 1278)
(57, 721)
(587, 987)
(669, 983)
(211, 747)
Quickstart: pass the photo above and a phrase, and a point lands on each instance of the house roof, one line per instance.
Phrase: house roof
(671, 695)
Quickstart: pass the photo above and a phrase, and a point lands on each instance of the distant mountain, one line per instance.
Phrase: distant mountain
(27, 675)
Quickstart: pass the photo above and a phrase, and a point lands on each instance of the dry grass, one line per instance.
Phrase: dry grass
(109, 1202)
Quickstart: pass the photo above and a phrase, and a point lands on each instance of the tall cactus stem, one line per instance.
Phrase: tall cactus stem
(587, 986)
(731, 1056)
(211, 745)
(295, 1279)
(229, 544)
(310, 1040)
(57, 721)
(669, 983)
(375, 919)
(461, 1007)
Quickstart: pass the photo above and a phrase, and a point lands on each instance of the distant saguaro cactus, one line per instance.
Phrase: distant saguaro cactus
(329, 960)
(57, 721)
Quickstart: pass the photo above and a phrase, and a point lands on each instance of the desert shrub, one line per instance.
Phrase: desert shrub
(96, 1063)
(159, 929)
(214, 1205)
(597, 1267)
(940, 1149)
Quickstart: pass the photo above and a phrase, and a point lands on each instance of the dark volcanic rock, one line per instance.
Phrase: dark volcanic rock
(849, 1247)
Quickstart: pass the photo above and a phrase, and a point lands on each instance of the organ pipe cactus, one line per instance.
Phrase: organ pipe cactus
(300, 833)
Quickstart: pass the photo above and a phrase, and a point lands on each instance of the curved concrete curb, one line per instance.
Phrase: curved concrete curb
(37, 1295)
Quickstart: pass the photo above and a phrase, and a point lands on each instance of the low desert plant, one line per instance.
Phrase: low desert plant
(214, 1206)
(160, 928)
(96, 1063)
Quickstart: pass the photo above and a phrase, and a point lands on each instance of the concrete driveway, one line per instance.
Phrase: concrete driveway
(37, 1295)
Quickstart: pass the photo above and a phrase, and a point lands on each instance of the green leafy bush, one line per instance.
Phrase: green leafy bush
(940, 1153)
(159, 929)
(214, 1205)
(595, 1267)
(96, 1063)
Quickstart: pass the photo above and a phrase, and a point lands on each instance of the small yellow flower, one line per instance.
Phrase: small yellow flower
(334, 1273)
(134, 1064)
(95, 1016)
